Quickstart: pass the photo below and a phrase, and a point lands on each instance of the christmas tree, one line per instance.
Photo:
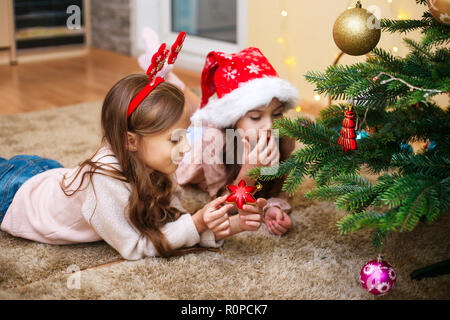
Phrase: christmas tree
(391, 99)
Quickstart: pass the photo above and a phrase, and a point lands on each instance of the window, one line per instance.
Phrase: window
(211, 19)
(210, 24)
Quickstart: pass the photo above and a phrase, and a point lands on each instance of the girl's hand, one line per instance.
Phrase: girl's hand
(251, 216)
(277, 221)
(216, 217)
(263, 154)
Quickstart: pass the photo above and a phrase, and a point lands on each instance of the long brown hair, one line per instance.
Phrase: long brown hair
(149, 203)
(269, 188)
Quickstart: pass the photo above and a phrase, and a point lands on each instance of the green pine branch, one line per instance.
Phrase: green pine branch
(305, 130)
(404, 26)
(412, 187)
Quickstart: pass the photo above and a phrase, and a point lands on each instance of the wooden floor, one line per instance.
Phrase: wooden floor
(33, 86)
(39, 85)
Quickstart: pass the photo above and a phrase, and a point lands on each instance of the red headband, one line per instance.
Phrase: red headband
(158, 60)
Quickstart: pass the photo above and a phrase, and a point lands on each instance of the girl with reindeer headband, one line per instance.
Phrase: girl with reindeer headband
(122, 194)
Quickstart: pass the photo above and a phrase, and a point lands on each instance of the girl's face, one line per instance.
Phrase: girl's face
(163, 151)
(261, 118)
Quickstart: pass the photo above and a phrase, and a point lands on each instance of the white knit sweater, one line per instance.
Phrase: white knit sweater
(40, 211)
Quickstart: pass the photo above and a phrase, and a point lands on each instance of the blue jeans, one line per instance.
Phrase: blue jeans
(15, 172)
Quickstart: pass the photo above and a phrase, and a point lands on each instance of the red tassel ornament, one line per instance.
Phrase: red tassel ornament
(347, 135)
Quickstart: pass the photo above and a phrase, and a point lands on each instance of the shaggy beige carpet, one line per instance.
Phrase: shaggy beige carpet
(313, 261)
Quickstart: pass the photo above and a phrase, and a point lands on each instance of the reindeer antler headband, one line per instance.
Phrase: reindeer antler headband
(158, 60)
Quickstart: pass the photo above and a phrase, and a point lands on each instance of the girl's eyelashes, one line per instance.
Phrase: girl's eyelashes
(174, 140)
(277, 112)
(177, 136)
(255, 116)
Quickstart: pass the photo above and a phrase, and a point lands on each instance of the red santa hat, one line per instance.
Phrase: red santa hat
(242, 81)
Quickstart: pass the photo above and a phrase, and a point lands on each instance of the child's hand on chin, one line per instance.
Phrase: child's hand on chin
(250, 216)
(277, 221)
(216, 218)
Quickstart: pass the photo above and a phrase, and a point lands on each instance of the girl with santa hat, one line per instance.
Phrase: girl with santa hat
(231, 130)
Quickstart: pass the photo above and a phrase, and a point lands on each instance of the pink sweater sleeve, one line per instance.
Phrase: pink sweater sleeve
(106, 212)
(278, 202)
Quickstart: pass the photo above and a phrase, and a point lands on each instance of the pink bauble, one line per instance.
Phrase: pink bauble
(377, 277)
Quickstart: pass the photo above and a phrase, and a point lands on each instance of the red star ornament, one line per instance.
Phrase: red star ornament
(241, 194)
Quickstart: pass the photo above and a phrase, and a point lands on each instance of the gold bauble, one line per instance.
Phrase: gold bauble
(440, 9)
(356, 31)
